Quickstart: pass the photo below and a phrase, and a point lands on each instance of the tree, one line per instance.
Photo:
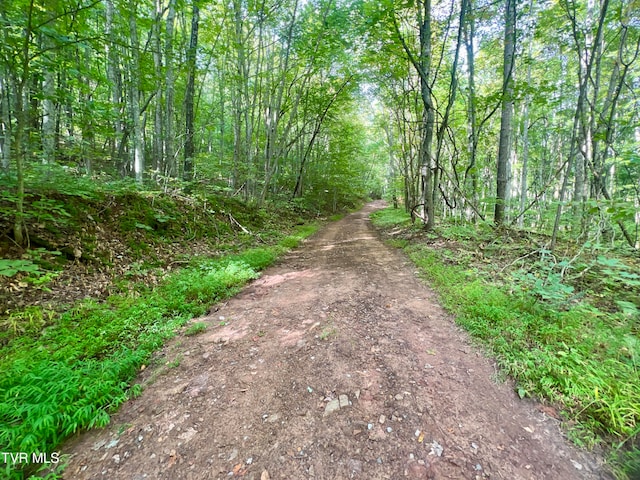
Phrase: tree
(506, 118)
(189, 144)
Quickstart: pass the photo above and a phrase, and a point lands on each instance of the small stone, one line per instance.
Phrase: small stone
(116, 458)
(112, 443)
(232, 455)
(399, 397)
(332, 406)
(478, 467)
(249, 461)
(357, 394)
(98, 445)
(389, 429)
(344, 401)
(578, 466)
(312, 472)
(436, 449)
(369, 426)
(382, 419)
(273, 418)
(355, 466)
(265, 475)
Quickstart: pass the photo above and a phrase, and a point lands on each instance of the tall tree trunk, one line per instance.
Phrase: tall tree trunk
(471, 172)
(5, 121)
(48, 112)
(134, 87)
(506, 120)
(579, 116)
(427, 168)
(158, 160)
(115, 81)
(169, 134)
(189, 144)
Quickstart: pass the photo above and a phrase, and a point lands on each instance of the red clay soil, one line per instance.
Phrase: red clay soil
(337, 363)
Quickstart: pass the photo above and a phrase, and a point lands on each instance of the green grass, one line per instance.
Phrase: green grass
(195, 329)
(391, 217)
(79, 369)
(570, 354)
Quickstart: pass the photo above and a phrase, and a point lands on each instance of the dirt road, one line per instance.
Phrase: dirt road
(337, 363)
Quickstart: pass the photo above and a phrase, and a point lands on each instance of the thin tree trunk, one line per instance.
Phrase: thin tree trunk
(158, 160)
(578, 118)
(471, 172)
(506, 120)
(48, 113)
(189, 145)
(115, 81)
(134, 87)
(5, 122)
(169, 134)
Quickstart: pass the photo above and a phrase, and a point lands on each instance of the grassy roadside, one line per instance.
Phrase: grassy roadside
(558, 346)
(78, 370)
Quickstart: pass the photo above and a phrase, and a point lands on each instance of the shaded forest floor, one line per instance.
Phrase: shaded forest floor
(91, 244)
(337, 363)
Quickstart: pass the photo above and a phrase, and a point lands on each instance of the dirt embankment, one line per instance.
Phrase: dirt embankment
(337, 363)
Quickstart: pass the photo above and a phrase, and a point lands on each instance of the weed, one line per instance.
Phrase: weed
(175, 362)
(398, 242)
(195, 328)
(9, 268)
(30, 321)
(328, 332)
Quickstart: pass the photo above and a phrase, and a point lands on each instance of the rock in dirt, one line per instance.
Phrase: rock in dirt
(332, 406)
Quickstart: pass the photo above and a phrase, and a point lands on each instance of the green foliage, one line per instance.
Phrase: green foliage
(577, 357)
(74, 373)
(29, 321)
(9, 268)
(389, 217)
(556, 347)
(195, 329)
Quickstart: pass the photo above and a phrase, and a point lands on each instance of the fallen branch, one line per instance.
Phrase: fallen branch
(233, 221)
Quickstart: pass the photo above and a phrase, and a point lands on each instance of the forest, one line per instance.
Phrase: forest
(524, 113)
(515, 120)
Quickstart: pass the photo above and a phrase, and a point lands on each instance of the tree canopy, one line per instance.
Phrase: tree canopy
(520, 113)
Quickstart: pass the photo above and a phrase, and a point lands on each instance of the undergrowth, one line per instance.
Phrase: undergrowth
(544, 334)
(78, 370)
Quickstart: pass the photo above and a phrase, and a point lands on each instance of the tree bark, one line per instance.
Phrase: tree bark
(169, 134)
(189, 144)
(134, 87)
(506, 120)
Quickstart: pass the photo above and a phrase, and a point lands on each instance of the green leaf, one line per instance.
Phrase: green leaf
(9, 268)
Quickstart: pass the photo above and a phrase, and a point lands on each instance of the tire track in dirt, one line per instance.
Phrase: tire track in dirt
(343, 315)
